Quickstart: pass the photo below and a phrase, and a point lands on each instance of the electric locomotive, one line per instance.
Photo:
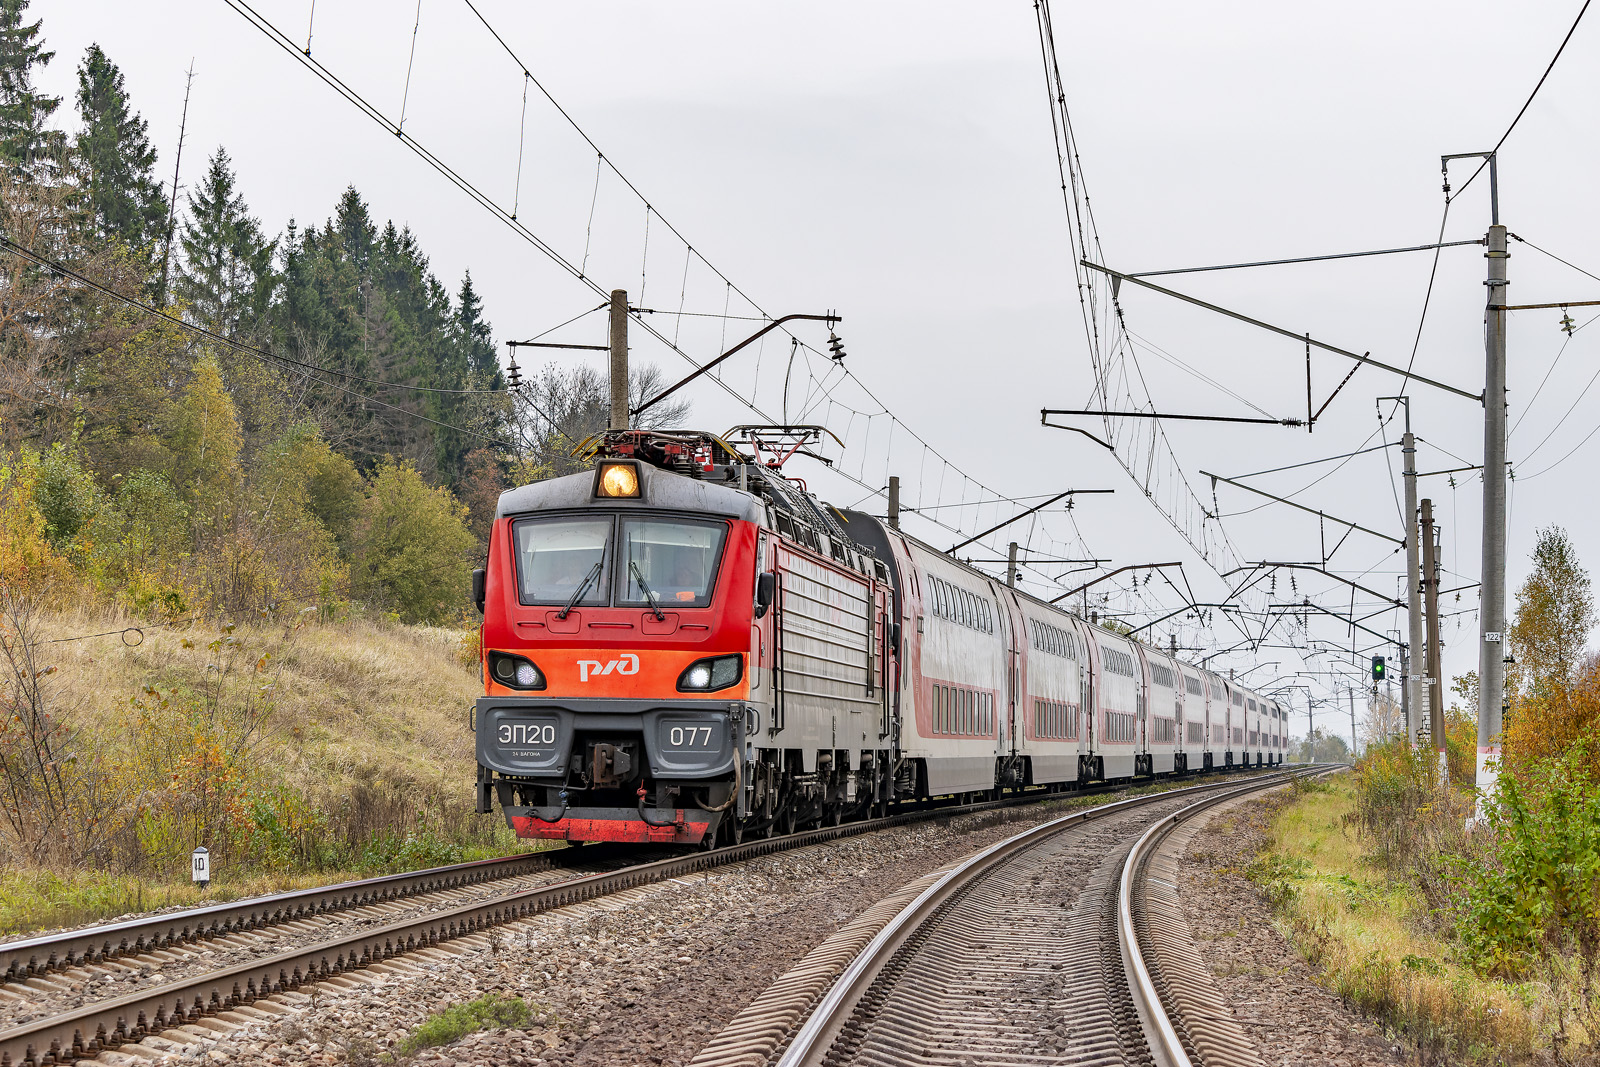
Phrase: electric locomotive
(683, 645)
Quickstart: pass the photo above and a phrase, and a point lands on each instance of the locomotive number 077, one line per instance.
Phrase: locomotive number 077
(685, 736)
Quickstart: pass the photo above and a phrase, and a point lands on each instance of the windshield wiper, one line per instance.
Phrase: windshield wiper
(583, 587)
(649, 594)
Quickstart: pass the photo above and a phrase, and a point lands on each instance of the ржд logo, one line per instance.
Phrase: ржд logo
(627, 663)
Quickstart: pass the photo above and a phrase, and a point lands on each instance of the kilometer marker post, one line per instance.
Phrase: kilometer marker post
(200, 867)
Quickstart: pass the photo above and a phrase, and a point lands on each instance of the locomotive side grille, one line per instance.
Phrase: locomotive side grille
(824, 644)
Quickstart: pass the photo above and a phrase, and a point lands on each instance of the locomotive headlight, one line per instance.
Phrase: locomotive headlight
(617, 480)
(707, 675)
(514, 672)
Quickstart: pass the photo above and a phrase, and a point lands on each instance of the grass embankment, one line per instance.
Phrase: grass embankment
(300, 752)
(1380, 946)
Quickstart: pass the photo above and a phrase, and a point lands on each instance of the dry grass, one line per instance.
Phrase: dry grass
(1369, 935)
(381, 700)
(34, 901)
(364, 753)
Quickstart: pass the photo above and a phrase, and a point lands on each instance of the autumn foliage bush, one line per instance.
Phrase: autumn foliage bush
(1518, 894)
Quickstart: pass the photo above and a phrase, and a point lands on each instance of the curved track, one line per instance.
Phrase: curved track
(86, 1030)
(1032, 951)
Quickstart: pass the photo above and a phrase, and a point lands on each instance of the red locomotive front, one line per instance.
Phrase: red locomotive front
(617, 631)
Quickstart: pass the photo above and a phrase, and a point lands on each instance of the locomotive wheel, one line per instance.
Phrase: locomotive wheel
(784, 823)
(735, 831)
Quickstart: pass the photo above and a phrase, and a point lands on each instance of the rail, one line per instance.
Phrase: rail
(36, 956)
(1161, 1033)
(85, 1031)
(815, 1038)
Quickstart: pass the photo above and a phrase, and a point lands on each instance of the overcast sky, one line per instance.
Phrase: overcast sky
(895, 161)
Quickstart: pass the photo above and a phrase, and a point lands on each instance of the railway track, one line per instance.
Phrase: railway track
(223, 995)
(1043, 948)
(30, 962)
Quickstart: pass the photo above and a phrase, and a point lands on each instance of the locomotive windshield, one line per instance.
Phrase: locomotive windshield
(640, 560)
(668, 561)
(557, 556)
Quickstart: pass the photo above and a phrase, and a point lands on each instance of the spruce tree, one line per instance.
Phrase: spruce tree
(116, 157)
(476, 337)
(353, 225)
(226, 276)
(24, 140)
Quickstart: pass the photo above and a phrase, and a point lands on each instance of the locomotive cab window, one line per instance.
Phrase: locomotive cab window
(555, 557)
(668, 562)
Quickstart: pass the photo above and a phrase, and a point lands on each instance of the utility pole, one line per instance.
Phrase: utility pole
(1413, 673)
(1492, 590)
(1311, 731)
(1388, 687)
(1351, 690)
(894, 502)
(1406, 713)
(1492, 610)
(1433, 681)
(1373, 703)
(619, 359)
(1011, 565)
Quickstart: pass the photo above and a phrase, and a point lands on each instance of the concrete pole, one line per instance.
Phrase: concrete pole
(1011, 565)
(619, 359)
(1433, 681)
(1406, 714)
(1492, 609)
(1373, 703)
(1388, 683)
(1354, 742)
(894, 502)
(1412, 677)
(1311, 732)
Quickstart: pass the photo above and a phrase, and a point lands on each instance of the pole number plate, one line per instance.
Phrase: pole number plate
(1492, 636)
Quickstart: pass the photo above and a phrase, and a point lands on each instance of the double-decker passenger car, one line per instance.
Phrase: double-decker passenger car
(682, 644)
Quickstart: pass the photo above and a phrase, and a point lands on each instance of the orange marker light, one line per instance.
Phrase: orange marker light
(618, 480)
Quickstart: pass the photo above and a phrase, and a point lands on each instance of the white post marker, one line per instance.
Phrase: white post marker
(200, 867)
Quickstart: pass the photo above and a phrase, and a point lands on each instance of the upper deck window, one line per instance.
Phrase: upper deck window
(672, 562)
(555, 556)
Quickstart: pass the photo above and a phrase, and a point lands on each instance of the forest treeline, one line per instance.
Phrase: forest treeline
(257, 452)
(338, 434)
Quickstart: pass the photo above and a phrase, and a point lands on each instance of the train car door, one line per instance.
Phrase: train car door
(882, 604)
(1013, 669)
(760, 663)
